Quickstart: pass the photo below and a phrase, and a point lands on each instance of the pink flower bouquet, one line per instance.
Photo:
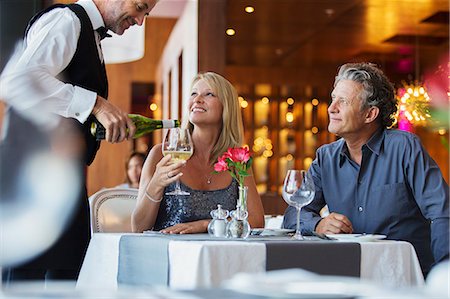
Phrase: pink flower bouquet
(237, 161)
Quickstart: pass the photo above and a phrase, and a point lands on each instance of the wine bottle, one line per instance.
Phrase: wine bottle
(144, 125)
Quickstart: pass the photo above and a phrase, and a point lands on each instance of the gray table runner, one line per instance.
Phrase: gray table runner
(144, 259)
(326, 258)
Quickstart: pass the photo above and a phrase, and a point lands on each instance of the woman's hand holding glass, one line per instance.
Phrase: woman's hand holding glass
(178, 144)
(298, 191)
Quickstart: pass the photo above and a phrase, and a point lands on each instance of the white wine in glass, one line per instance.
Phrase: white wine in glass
(178, 156)
(178, 144)
(298, 191)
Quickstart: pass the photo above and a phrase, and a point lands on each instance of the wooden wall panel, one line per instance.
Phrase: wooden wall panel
(211, 36)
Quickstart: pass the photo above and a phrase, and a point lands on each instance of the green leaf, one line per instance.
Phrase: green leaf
(249, 163)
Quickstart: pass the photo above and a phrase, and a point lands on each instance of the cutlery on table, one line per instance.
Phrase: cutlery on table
(323, 236)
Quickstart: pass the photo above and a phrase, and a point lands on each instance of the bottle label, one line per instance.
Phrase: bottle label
(168, 123)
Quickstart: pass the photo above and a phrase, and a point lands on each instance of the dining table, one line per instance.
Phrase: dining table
(199, 261)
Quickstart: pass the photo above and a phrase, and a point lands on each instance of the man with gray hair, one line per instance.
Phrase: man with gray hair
(376, 180)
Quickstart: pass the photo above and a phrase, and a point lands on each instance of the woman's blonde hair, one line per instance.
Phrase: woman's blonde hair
(232, 131)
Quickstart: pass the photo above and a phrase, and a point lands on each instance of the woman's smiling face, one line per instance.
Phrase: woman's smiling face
(204, 105)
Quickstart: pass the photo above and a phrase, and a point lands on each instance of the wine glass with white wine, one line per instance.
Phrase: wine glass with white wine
(178, 144)
(298, 191)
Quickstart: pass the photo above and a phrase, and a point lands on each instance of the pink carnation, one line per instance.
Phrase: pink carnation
(241, 154)
(237, 162)
(221, 164)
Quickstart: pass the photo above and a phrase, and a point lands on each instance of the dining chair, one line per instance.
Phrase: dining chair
(111, 210)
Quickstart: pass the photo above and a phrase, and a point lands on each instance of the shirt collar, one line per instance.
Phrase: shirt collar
(93, 13)
(343, 152)
(373, 144)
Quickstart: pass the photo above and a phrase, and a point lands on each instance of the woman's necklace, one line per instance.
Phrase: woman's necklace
(208, 177)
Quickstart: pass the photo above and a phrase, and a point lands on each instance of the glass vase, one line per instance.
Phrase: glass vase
(239, 227)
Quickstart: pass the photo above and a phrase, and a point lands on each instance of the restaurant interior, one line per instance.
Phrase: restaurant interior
(282, 59)
(282, 56)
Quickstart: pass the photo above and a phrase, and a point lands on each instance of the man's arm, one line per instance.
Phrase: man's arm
(310, 213)
(432, 196)
(50, 46)
(310, 220)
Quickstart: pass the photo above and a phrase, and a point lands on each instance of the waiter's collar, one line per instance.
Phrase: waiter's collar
(93, 13)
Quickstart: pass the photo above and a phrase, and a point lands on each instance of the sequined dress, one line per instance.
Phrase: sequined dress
(180, 209)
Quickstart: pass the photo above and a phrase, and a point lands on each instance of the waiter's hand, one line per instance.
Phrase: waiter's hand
(115, 121)
(334, 224)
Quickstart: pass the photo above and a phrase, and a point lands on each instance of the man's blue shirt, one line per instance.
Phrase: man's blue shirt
(398, 190)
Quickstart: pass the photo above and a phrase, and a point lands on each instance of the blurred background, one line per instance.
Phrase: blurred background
(282, 57)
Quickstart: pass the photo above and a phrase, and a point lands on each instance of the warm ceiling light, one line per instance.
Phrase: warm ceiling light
(265, 100)
(153, 107)
(314, 130)
(249, 9)
(315, 102)
(329, 12)
(230, 31)
(244, 104)
(290, 101)
(289, 117)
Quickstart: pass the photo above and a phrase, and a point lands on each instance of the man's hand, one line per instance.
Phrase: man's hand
(334, 224)
(116, 122)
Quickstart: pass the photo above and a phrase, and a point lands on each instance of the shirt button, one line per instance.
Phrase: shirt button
(360, 209)
(77, 114)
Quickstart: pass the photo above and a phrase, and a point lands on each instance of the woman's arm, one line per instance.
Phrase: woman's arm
(194, 227)
(157, 173)
(254, 204)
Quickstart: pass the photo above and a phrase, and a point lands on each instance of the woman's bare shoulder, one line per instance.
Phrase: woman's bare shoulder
(155, 154)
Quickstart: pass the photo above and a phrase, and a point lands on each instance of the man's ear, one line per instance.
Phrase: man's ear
(372, 114)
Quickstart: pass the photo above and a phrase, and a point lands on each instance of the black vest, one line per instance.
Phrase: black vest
(85, 70)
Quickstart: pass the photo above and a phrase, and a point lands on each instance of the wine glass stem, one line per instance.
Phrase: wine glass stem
(298, 231)
(177, 186)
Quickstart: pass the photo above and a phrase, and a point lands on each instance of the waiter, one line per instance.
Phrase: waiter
(63, 56)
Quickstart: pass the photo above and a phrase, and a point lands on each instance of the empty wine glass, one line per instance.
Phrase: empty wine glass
(298, 191)
(178, 144)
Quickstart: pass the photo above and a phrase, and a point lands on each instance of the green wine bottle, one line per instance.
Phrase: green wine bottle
(144, 125)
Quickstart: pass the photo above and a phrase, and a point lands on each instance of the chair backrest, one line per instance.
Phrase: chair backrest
(111, 210)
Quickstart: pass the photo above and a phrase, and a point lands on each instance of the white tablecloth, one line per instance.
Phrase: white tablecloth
(208, 263)
(194, 264)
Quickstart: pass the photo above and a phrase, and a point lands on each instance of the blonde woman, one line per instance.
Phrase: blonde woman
(215, 122)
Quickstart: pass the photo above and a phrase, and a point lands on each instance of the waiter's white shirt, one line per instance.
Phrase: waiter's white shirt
(49, 47)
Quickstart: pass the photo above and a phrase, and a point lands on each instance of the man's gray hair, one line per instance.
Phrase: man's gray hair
(378, 91)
